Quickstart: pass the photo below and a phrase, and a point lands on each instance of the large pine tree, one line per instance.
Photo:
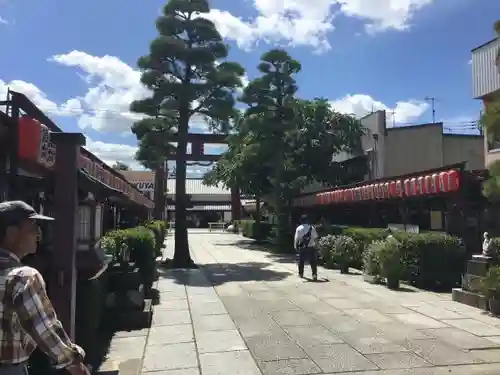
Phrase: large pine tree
(187, 76)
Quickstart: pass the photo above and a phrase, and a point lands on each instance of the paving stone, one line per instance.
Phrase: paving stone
(170, 317)
(340, 358)
(256, 327)
(436, 312)
(133, 333)
(302, 366)
(274, 347)
(371, 344)
(488, 355)
(344, 303)
(221, 322)
(185, 371)
(475, 327)
(170, 334)
(293, 318)
(219, 341)
(313, 336)
(170, 357)
(461, 339)
(494, 339)
(368, 315)
(439, 353)
(401, 360)
(125, 348)
(208, 308)
(173, 304)
(419, 321)
(398, 332)
(233, 363)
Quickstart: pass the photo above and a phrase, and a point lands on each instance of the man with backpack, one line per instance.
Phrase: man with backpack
(304, 242)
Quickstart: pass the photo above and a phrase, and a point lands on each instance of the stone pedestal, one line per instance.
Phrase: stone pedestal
(477, 268)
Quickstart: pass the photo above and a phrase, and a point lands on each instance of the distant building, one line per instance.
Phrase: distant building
(486, 86)
(208, 203)
(400, 150)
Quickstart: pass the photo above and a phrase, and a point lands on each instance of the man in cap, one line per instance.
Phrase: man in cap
(27, 318)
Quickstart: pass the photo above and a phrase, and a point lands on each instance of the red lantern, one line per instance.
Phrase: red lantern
(399, 188)
(407, 187)
(352, 195)
(453, 180)
(386, 190)
(435, 183)
(392, 189)
(428, 185)
(420, 185)
(378, 191)
(444, 184)
(413, 186)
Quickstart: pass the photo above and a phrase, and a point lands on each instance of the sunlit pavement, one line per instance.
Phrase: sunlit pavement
(245, 311)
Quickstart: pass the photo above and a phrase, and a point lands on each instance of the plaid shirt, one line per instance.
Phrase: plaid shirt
(27, 318)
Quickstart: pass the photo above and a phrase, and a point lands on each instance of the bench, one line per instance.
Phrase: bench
(218, 225)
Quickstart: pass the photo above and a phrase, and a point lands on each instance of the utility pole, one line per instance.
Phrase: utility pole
(393, 118)
(432, 99)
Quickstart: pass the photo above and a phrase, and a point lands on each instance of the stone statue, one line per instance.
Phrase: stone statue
(488, 247)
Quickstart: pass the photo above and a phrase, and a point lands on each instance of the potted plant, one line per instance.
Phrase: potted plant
(344, 252)
(371, 262)
(490, 286)
(391, 266)
(325, 249)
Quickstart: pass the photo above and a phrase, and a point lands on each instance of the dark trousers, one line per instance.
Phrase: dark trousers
(309, 254)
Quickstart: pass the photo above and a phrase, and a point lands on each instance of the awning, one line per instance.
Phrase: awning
(205, 207)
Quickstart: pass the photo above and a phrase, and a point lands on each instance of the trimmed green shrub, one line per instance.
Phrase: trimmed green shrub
(325, 245)
(388, 254)
(371, 261)
(326, 229)
(250, 229)
(140, 244)
(159, 228)
(432, 259)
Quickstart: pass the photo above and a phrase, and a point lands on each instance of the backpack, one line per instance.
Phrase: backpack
(304, 241)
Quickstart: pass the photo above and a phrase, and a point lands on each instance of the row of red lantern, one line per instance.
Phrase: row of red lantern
(436, 183)
(100, 173)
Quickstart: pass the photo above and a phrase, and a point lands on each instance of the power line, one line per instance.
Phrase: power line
(432, 99)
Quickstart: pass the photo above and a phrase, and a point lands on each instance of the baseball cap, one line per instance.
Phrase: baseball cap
(14, 212)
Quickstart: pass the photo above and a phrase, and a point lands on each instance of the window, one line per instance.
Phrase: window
(84, 222)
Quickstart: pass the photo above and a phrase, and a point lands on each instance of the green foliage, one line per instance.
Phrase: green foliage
(490, 284)
(254, 230)
(140, 242)
(432, 259)
(159, 229)
(187, 76)
(490, 120)
(389, 259)
(120, 166)
(371, 261)
(339, 251)
(491, 187)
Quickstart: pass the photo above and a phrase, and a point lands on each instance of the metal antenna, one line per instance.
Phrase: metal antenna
(432, 99)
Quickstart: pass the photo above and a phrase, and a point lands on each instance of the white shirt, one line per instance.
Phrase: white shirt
(301, 231)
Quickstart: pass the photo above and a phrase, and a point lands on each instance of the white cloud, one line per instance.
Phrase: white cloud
(301, 23)
(361, 104)
(113, 85)
(39, 98)
(3, 21)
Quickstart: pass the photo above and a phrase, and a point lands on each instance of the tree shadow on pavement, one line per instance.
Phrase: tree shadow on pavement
(214, 274)
(271, 252)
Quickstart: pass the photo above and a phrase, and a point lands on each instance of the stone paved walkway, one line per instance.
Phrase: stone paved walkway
(246, 312)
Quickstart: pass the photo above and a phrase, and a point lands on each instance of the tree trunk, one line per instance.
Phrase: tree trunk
(257, 219)
(182, 257)
(159, 193)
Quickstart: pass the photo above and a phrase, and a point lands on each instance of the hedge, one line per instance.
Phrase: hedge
(250, 229)
(140, 243)
(429, 260)
(159, 228)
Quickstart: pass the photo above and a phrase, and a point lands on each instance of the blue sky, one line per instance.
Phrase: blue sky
(77, 62)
